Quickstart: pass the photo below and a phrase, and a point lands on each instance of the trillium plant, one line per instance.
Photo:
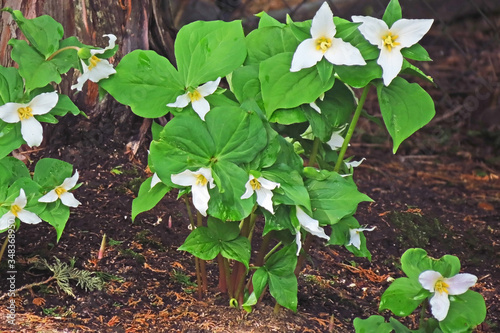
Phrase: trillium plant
(27, 101)
(257, 144)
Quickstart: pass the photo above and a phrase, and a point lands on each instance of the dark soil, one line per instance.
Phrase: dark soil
(441, 192)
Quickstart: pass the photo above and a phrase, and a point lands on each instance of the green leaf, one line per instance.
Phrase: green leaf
(288, 116)
(416, 52)
(43, 32)
(348, 31)
(65, 105)
(148, 197)
(268, 21)
(245, 83)
(466, 312)
(259, 282)
(282, 89)
(264, 43)
(50, 172)
(11, 85)
(406, 107)
(208, 50)
(291, 186)
(359, 76)
(402, 296)
(415, 71)
(10, 138)
(57, 215)
(372, 324)
(282, 280)
(333, 198)
(392, 13)
(15, 168)
(340, 236)
(415, 261)
(146, 82)
(280, 220)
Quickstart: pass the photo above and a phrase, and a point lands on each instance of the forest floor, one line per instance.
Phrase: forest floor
(440, 192)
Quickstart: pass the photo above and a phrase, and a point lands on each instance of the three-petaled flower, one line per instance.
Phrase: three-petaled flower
(324, 44)
(98, 68)
(17, 211)
(62, 192)
(197, 98)
(355, 238)
(442, 287)
(31, 129)
(263, 188)
(199, 181)
(403, 33)
(308, 224)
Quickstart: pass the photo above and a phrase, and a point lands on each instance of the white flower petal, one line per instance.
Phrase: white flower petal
(6, 220)
(102, 70)
(111, 44)
(410, 32)
(208, 88)
(265, 199)
(28, 217)
(322, 23)
(391, 63)
(298, 241)
(207, 173)
(336, 141)
(82, 78)
(201, 107)
(200, 198)
(249, 189)
(354, 164)
(354, 238)
(372, 29)
(68, 199)
(43, 103)
(155, 180)
(51, 196)
(267, 184)
(428, 279)
(315, 107)
(21, 200)
(306, 55)
(70, 182)
(32, 131)
(460, 283)
(185, 178)
(343, 53)
(310, 225)
(440, 304)
(9, 114)
(181, 101)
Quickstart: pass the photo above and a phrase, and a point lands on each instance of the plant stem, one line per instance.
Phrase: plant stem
(203, 268)
(314, 152)
(272, 251)
(352, 126)
(4, 246)
(61, 50)
(259, 261)
(422, 323)
(277, 308)
(196, 260)
(227, 272)
(302, 256)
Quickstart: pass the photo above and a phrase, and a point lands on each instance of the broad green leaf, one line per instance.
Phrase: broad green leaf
(340, 236)
(268, 21)
(333, 198)
(372, 324)
(400, 328)
(466, 312)
(288, 116)
(415, 71)
(291, 186)
(406, 107)
(208, 50)
(65, 105)
(415, 261)
(359, 76)
(16, 168)
(325, 70)
(280, 220)
(259, 282)
(237, 249)
(282, 280)
(50, 172)
(10, 138)
(402, 297)
(57, 215)
(201, 243)
(11, 85)
(146, 82)
(416, 52)
(32, 191)
(245, 83)
(392, 13)
(348, 32)
(148, 197)
(282, 89)
(43, 32)
(263, 43)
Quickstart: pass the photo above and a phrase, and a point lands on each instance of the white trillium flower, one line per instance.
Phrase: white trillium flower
(31, 129)
(442, 287)
(62, 192)
(99, 68)
(198, 181)
(403, 33)
(355, 239)
(310, 225)
(337, 140)
(323, 44)
(263, 188)
(354, 164)
(17, 210)
(197, 98)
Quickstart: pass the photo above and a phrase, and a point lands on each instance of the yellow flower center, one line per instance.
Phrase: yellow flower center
(255, 184)
(25, 113)
(323, 44)
(194, 96)
(15, 209)
(201, 180)
(390, 40)
(441, 287)
(59, 191)
(93, 62)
